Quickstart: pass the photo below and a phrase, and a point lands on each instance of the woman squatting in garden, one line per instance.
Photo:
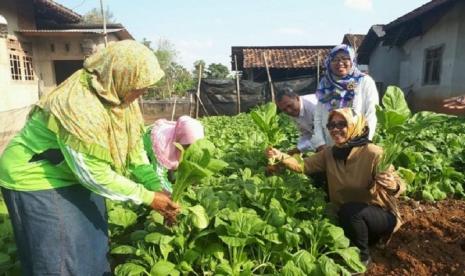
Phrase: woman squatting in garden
(364, 199)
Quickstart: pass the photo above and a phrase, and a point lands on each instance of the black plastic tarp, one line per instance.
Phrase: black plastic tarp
(219, 96)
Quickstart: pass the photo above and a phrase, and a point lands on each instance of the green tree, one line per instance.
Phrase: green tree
(166, 53)
(197, 64)
(147, 43)
(177, 80)
(217, 71)
(94, 16)
(183, 79)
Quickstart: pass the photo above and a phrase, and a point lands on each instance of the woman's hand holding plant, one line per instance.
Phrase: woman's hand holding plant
(387, 180)
(168, 209)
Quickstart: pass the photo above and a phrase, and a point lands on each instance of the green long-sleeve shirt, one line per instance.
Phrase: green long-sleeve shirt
(19, 170)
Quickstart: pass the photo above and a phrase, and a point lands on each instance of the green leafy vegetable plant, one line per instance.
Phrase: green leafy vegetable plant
(197, 162)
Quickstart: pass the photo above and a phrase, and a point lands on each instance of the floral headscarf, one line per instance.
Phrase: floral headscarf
(336, 92)
(87, 111)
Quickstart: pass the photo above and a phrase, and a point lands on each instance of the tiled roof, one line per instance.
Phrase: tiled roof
(280, 57)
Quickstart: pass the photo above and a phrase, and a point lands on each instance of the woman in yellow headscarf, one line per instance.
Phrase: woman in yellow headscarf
(82, 142)
(365, 200)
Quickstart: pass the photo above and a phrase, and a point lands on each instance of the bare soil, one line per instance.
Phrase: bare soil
(431, 241)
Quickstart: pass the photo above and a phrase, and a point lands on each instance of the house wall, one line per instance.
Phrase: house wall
(14, 94)
(15, 12)
(458, 80)
(404, 66)
(445, 32)
(44, 55)
(17, 96)
(384, 65)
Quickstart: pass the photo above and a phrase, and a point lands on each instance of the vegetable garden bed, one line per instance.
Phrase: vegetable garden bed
(242, 221)
(431, 242)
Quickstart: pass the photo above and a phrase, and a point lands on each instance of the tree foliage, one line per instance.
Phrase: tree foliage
(217, 71)
(94, 16)
(197, 65)
(177, 80)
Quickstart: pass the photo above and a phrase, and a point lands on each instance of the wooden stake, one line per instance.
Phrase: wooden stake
(105, 36)
(174, 108)
(191, 97)
(318, 69)
(238, 87)
(203, 106)
(198, 92)
(269, 78)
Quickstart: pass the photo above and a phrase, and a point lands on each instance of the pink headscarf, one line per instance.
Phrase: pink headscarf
(184, 131)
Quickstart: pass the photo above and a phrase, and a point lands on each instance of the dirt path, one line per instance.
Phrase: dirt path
(431, 242)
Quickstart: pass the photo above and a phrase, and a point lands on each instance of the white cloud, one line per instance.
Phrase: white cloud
(290, 31)
(360, 5)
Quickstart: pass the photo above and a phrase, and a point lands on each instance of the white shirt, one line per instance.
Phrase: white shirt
(365, 100)
(305, 120)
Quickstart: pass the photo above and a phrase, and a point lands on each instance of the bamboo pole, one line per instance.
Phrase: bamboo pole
(198, 92)
(105, 39)
(238, 87)
(269, 77)
(191, 97)
(318, 69)
(204, 109)
(174, 108)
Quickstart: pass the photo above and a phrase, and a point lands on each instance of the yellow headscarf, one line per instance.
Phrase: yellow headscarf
(356, 123)
(87, 110)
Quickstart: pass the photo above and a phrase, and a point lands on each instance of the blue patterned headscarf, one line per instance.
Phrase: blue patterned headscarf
(339, 93)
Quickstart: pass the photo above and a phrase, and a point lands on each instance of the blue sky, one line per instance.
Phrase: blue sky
(206, 29)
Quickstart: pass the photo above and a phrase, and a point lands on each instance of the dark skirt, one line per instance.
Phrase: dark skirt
(60, 231)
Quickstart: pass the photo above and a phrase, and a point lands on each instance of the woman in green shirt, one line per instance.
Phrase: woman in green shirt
(81, 143)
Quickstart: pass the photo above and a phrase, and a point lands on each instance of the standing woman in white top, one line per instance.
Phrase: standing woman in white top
(344, 85)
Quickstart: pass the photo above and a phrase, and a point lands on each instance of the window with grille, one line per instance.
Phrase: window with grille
(15, 67)
(28, 72)
(20, 60)
(432, 67)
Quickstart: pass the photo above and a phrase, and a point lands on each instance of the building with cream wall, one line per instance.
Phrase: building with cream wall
(41, 43)
(423, 52)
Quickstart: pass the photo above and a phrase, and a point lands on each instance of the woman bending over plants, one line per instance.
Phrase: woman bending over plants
(160, 141)
(81, 144)
(365, 200)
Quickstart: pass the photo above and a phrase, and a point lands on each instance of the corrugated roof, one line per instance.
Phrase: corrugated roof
(121, 33)
(97, 31)
(286, 57)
